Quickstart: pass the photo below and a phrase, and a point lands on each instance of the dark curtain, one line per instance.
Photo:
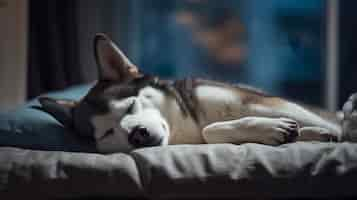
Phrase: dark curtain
(348, 49)
(53, 46)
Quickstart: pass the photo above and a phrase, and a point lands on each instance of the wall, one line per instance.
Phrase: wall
(100, 17)
(13, 45)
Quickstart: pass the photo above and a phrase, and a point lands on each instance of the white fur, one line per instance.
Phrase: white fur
(152, 96)
(118, 107)
(146, 113)
(272, 131)
(182, 129)
(296, 112)
(151, 119)
(216, 93)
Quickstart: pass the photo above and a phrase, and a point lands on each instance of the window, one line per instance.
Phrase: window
(275, 45)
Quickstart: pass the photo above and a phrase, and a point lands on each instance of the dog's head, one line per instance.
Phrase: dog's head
(121, 111)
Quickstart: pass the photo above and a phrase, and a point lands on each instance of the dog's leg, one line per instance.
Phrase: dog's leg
(304, 117)
(264, 130)
(313, 133)
(349, 122)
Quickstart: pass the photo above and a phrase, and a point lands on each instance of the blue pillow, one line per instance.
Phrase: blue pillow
(30, 128)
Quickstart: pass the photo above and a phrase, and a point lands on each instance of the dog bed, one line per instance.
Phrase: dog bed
(39, 159)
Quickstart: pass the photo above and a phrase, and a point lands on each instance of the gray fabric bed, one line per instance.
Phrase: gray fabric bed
(221, 170)
(39, 159)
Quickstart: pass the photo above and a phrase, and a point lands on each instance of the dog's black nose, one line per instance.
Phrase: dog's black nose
(141, 137)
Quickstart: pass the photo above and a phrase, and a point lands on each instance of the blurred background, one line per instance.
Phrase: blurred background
(299, 49)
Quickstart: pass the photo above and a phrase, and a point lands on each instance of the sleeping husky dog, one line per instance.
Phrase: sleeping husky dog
(126, 109)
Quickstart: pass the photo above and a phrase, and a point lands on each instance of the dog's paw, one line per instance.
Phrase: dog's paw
(269, 131)
(349, 122)
(279, 131)
(316, 134)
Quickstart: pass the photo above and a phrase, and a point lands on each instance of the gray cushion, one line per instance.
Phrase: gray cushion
(303, 169)
(29, 128)
(216, 170)
(31, 174)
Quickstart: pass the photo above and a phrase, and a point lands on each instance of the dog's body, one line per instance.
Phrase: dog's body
(126, 110)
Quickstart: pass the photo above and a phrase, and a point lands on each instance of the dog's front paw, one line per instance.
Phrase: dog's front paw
(316, 134)
(349, 122)
(280, 131)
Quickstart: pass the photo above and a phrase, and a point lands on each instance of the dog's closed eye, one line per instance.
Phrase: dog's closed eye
(130, 108)
(107, 133)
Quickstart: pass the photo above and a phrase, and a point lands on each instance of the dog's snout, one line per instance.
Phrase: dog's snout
(139, 134)
(141, 137)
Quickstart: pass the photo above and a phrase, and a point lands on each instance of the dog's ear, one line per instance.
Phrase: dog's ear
(112, 64)
(61, 110)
